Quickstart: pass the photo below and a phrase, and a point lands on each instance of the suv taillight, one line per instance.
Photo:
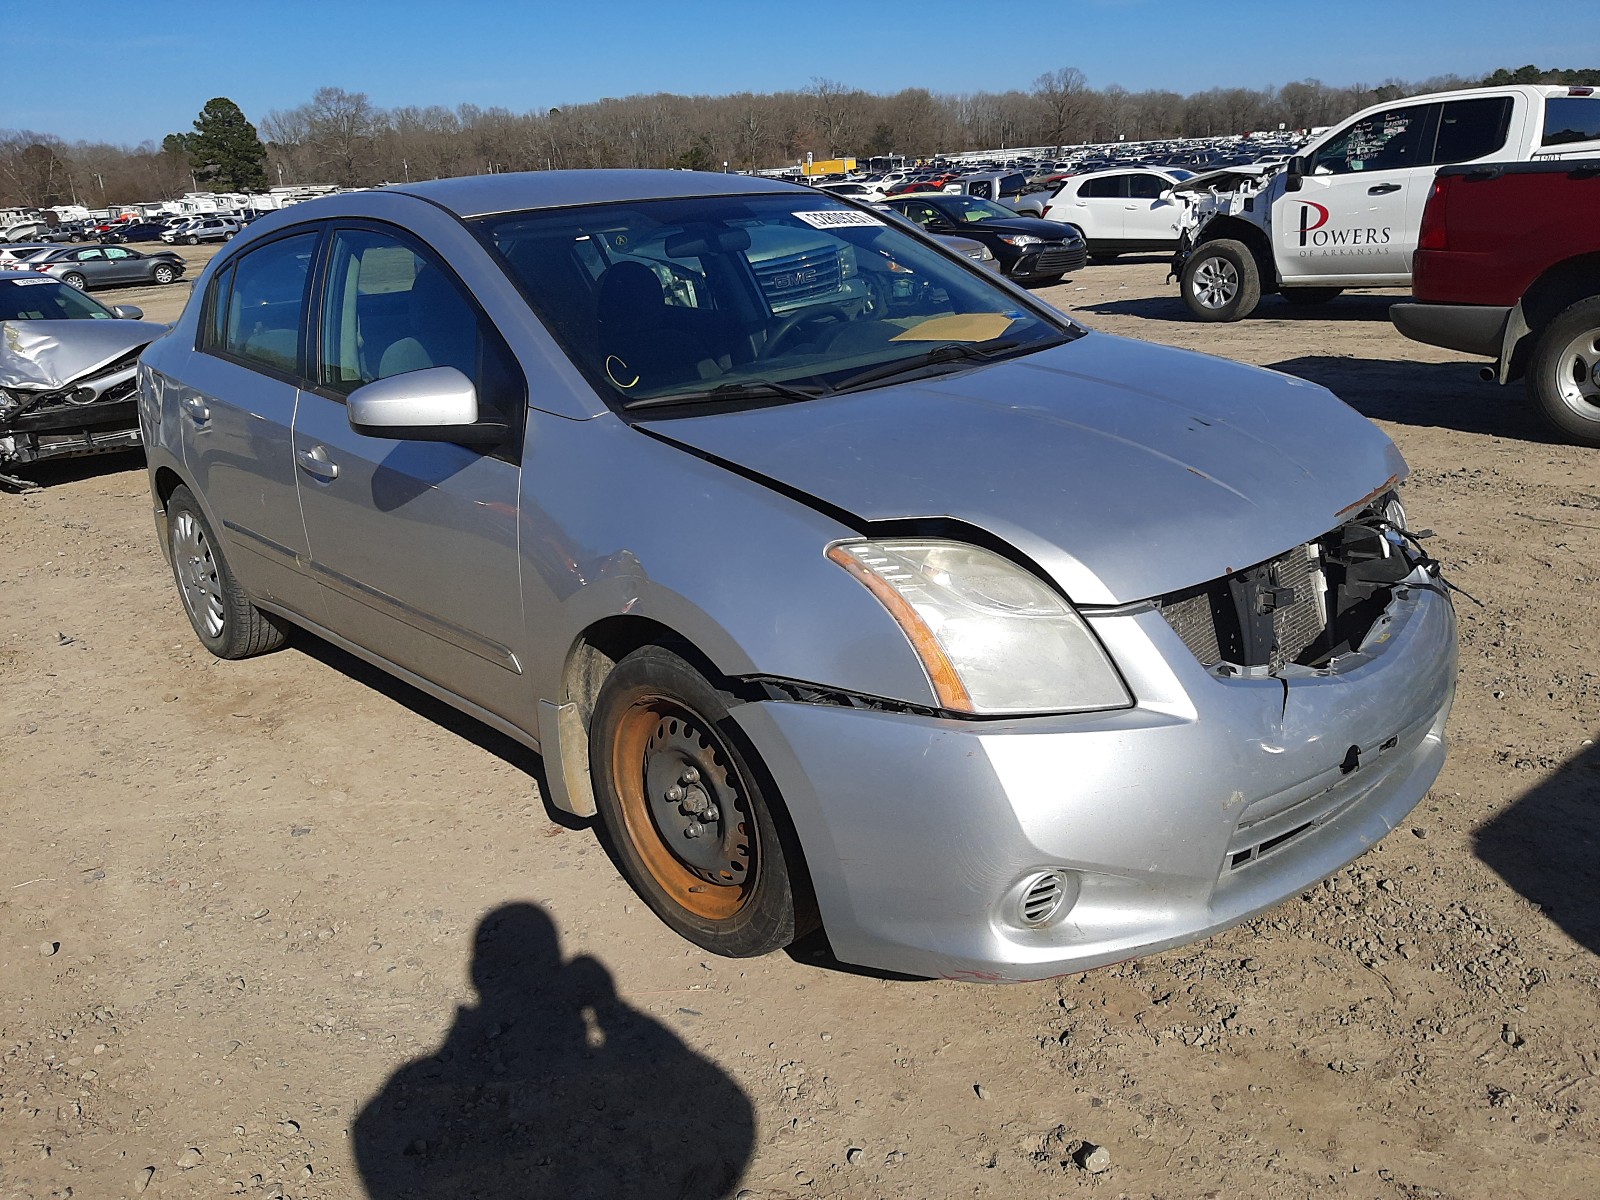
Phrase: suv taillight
(1433, 235)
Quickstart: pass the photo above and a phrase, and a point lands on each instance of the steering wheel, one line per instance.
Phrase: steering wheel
(787, 325)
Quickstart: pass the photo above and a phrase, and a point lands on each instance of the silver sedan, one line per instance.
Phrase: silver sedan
(845, 582)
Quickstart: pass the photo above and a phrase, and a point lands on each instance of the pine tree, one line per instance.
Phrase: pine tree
(225, 149)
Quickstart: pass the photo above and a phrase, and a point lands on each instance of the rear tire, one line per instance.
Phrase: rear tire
(1564, 372)
(1221, 282)
(1310, 295)
(218, 608)
(666, 759)
(73, 279)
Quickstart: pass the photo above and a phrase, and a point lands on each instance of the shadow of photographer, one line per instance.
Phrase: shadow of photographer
(552, 1087)
(1547, 846)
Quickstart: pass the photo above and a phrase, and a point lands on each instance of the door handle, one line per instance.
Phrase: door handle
(199, 411)
(1382, 189)
(315, 462)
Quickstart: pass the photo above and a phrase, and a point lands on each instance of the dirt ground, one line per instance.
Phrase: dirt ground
(285, 928)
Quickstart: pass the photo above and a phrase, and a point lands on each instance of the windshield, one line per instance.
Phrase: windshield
(728, 298)
(47, 300)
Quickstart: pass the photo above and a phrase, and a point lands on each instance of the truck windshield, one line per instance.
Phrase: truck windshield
(782, 296)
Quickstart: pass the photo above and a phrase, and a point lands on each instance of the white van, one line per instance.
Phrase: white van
(1346, 210)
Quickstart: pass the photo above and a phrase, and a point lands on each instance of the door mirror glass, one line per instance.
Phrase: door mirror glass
(435, 404)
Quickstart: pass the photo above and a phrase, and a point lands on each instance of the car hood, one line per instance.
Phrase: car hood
(1050, 231)
(46, 355)
(1227, 179)
(1123, 469)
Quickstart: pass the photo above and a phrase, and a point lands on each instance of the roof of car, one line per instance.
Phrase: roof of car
(9, 276)
(479, 195)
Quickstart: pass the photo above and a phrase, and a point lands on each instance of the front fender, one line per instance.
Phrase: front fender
(724, 561)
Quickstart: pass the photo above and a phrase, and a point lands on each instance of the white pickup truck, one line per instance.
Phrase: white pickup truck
(1345, 211)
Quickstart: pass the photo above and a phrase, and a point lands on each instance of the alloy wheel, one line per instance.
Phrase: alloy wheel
(1578, 375)
(1216, 282)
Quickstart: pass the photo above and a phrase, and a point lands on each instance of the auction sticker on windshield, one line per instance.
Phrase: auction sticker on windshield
(833, 218)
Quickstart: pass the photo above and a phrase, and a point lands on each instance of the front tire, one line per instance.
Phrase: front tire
(218, 608)
(1564, 372)
(165, 274)
(688, 815)
(1220, 282)
(192, 240)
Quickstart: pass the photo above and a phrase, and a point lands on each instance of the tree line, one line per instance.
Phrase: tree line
(341, 137)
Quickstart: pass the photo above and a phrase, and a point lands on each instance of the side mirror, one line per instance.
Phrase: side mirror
(1166, 194)
(128, 312)
(436, 404)
(1293, 173)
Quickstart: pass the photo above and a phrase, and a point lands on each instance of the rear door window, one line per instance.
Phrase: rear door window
(1109, 187)
(263, 313)
(1470, 129)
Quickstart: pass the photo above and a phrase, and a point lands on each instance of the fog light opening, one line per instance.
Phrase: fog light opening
(1045, 896)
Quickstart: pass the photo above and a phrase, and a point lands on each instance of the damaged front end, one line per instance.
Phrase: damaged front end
(68, 388)
(1298, 613)
(1230, 192)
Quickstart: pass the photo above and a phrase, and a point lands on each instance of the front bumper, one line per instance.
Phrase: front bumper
(63, 430)
(1212, 799)
(1470, 328)
(1050, 260)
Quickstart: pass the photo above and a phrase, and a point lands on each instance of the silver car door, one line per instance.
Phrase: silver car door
(414, 542)
(237, 404)
(121, 266)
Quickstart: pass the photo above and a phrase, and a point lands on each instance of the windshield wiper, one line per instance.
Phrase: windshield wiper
(754, 389)
(944, 353)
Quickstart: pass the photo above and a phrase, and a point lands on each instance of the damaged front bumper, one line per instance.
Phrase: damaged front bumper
(69, 387)
(1213, 798)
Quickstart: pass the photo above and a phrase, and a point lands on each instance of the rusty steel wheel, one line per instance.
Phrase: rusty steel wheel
(688, 820)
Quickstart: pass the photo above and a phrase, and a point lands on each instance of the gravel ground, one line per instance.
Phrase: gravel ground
(286, 928)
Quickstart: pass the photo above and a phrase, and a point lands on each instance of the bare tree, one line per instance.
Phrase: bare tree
(1065, 97)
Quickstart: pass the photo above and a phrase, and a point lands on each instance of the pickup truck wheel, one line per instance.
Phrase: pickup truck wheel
(688, 818)
(1564, 372)
(226, 622)
(1310, 295)
(1220, 281)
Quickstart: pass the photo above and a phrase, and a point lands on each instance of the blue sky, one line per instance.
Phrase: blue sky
(153, 79)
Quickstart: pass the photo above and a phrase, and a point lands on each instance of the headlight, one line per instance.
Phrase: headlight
(1021, 239)
(980, 252)
(993, 638)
